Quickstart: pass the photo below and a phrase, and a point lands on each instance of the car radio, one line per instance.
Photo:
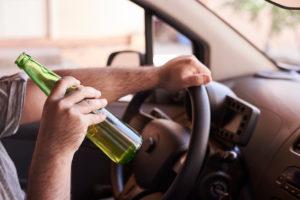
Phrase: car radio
(289, 180)
(236, 121)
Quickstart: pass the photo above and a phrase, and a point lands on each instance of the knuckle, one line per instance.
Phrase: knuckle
(208, 71)
(82, 121)
(191, 59)
(79, 86)
(94, 91)
(103, 102)
(61, 105)
(60, 82)
(204, 68)
(96, 118)
(81, 89)
(50, 100)
(89, 88)
(68, 78)
(100, 118)
(80, 93)
(182, 76)
(71, 112)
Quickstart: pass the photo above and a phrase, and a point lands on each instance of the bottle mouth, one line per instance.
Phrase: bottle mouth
(21, 60)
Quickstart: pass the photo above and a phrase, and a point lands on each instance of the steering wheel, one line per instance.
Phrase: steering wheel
(186, 177)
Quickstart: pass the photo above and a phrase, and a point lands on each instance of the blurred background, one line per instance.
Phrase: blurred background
(67, 33)
(82, 33)
(272, 29)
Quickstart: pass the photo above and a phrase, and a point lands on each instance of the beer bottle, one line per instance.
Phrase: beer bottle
(117, 140)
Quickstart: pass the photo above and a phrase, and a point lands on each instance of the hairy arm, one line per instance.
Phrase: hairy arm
(181, 72)
(50, 175)
(112, 82)
(116, 82)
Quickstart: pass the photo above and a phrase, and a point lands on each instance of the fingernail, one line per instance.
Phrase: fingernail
(105, 102)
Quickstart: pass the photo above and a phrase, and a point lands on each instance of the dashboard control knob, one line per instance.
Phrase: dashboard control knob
(220, 189)
(230, 155)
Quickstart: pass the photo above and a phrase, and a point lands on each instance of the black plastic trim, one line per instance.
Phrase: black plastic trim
(148, 38)
(186, 179)
(282, 6)
(179, 27)
(114, 54)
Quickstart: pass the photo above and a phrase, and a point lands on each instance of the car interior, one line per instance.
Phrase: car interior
(235, 138)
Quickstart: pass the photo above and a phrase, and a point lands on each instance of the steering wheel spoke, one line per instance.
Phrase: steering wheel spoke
(130, 190)
(157, 161)
(179, 164)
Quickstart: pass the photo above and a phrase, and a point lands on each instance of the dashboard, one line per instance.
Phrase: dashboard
(236, 121)
(256, 133)
(272, 156)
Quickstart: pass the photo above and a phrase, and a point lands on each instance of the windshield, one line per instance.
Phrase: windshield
(272, 29)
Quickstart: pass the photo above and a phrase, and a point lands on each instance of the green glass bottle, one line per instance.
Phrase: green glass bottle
(118, 141)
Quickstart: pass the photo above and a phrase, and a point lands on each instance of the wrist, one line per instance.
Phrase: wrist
(46, 141)
(53, 151)
(48, 154)
(160, 74)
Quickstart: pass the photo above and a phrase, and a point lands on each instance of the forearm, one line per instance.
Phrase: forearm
(50, 175)
(178, 73)
(116, 82)
(112, 82)
(33, 103)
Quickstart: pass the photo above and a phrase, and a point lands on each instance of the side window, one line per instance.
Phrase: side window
(168, 42)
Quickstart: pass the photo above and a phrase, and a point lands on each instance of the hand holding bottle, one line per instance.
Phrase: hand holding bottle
(66, 118)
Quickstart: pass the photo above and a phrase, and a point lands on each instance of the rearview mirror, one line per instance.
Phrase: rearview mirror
(125, 59)
(288, 4)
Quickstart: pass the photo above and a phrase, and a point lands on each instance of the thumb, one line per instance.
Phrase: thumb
(196, 79)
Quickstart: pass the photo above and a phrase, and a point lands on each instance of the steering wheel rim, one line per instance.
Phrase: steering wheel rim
(187, 177)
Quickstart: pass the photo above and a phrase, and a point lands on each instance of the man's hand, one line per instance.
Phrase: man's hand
(183, 72)
(66, 117)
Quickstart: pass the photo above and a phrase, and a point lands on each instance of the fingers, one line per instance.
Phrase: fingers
(80, 94)
(62, 85)
(196, 79)
(201, 75)
(95, 118)
(200, 68)
(203, 69)
(90, 105)
(195, 64)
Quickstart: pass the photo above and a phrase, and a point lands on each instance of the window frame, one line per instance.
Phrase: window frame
(200, 48)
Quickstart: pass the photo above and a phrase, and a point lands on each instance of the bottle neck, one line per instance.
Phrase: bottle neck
(42, 76)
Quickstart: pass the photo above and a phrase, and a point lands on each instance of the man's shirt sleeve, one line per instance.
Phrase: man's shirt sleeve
(12, 92)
